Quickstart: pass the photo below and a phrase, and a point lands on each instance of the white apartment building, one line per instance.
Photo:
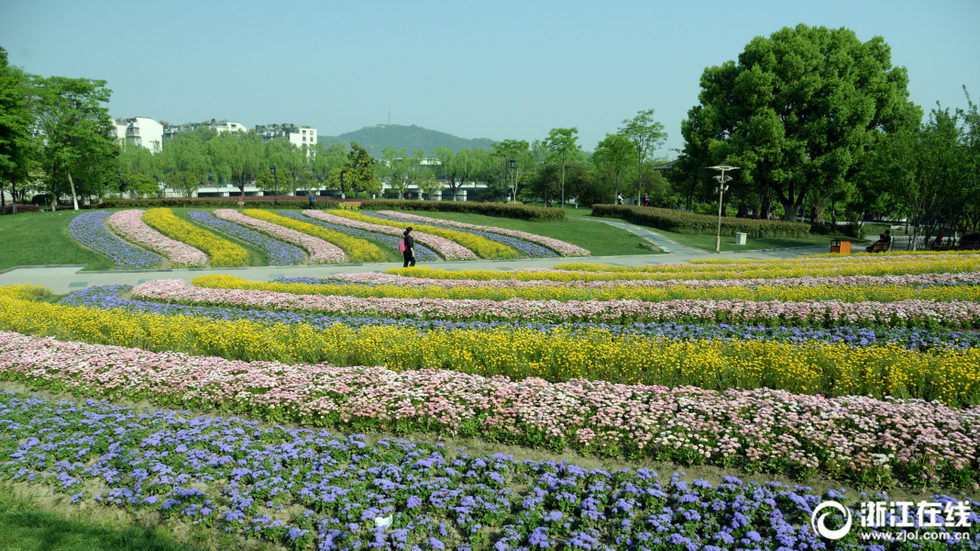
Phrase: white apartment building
(140, 131)
(220, 126)
(297, 135)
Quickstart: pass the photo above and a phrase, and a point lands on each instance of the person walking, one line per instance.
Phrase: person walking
(409, 248)
(312, 200)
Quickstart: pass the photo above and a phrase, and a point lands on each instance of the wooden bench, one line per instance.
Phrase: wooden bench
(879, 247)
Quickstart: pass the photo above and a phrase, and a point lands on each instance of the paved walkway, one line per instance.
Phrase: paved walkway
(65, 279)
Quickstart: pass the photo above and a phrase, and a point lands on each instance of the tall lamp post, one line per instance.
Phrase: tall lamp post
(276, 184)
(722, 187)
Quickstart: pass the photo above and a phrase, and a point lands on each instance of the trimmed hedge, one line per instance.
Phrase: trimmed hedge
(499, 210)
(253, 202)
(681, 221)
(9, 209)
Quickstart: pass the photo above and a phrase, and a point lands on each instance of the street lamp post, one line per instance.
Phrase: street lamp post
(276, 184)
(722, 187)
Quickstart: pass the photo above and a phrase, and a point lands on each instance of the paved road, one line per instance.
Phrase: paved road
(65, 279)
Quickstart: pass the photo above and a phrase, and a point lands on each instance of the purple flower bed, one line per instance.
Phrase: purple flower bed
(304, 487)
(422, 253)
(280, 253)
(89, 230)
(912, 339)
(531, 249)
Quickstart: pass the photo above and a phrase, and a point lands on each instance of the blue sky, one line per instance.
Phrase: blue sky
(499, 70)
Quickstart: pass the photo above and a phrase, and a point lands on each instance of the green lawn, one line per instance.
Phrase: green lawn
(41, 238)
(707, 242)
(24, 526)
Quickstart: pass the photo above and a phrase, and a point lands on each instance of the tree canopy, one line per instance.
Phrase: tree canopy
(797, 111)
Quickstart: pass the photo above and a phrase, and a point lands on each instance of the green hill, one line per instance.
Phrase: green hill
(398, 137)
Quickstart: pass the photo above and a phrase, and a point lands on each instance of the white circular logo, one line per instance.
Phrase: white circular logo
(818, 523)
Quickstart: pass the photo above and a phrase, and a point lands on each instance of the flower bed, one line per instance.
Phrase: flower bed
(89, 230)
(447, 248)
(280, 253)
(527, 247)
(359, 250)
(421, 252)
(852, 437)
(950, 375)
(636, 298)
(482, 246)
(916, 340)
(320, 251)
(220, 251)
(561, 247)
(688, 222)
(129, 224)
(304, 487)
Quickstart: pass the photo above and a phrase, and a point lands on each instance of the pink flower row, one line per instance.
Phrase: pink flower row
(753, 425)
(129, 225)
(320, 251)
(959, 314)
(561, 247)
(450, 250)
(964, 278)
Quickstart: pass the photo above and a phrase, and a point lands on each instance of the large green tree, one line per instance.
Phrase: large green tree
(646, 136)
(237, 156)
(614, 154)
(77, 132)
(506, 151)
(17, 149)
(562, 143)
(184, 162)
(798, 110)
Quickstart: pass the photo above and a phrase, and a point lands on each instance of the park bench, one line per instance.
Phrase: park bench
(880, 247)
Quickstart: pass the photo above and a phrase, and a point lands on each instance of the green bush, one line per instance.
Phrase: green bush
(521, 212)
(253, 202)
(680, 221)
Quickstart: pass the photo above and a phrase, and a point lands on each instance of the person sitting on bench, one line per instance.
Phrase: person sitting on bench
(883, 243)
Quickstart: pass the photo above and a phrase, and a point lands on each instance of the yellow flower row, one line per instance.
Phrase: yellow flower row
(951, 376)
(883, 293)
(483, 247)
(358, 250)
(220, 251)
(25, 291)
(596, 272)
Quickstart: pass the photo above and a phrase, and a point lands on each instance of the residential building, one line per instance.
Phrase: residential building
(220, 126)
(297, 135)
(140, 131)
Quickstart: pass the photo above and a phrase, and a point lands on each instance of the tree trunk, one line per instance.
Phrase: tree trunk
(791, 210)
(74, 198)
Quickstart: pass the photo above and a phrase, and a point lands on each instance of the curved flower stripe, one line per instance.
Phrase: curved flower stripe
(129, 224)
(530, 249)
(561, 247)
(421, 252)
(359, 250)
(886, 293)
(918, 340)
(280, 253)
(433, 277)
(89, 230)
(221, 251)
(448, 249)
(482, 246)
(919, 313)
(735, 427)
(319, 250)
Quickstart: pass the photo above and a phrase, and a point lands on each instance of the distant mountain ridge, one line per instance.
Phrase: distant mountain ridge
(410, 138)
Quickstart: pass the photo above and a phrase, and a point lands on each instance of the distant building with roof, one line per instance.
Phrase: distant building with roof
(297, 135)
(141, 131)
(172, 130)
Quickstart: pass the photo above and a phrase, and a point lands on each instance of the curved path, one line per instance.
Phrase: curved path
(65, 279)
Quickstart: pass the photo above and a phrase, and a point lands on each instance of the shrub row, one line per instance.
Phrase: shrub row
(687, 222)
(285, 201)
(500, 210)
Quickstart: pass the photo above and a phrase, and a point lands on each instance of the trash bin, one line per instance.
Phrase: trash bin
(740, 238)
(842, 247)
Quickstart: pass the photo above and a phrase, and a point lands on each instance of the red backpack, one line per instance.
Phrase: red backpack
(401, 246)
